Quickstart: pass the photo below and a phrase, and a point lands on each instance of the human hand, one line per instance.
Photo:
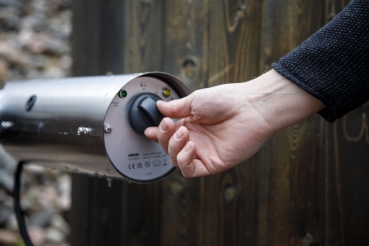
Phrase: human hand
(222, 126)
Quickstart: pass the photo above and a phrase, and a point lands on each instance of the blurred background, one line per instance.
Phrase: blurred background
(35, 43)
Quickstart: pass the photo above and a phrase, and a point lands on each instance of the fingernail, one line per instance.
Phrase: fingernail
(179, 133)
(163, 126)
(188, 147)
(159, 102)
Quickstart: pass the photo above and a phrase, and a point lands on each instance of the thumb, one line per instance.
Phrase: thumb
(179, 108)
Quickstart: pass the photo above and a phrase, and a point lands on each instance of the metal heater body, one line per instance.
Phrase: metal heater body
(89, 124)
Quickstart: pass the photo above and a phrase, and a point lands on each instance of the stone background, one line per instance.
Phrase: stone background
(35, 43)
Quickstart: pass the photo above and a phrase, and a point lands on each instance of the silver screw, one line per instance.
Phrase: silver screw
(107, 129)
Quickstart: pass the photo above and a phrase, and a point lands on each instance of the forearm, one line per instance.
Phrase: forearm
(279, 101)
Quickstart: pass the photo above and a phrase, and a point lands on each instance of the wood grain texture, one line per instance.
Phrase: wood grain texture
(214, 50)
(228, 200)
(143, 32)
(143, 48)
(93, 202)
(307, 185)
(126, 212)
(345, 179)
(345, 200)
(185, 57)
(185, 40)
(288, 173)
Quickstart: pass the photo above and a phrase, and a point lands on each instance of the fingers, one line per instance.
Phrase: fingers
(174, 138)
(180, 108)
(176, 143)
(185, 159)
(189, 165)
(182, 152)
(151, 132)
(164, 133)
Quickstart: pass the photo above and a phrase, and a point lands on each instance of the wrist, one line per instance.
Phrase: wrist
(280, 102)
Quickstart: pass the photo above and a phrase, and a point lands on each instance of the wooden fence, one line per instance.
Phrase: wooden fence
(307, 186)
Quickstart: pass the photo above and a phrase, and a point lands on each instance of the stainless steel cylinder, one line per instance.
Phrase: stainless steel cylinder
(82, 124)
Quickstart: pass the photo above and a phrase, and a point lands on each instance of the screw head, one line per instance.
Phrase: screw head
(107, 129)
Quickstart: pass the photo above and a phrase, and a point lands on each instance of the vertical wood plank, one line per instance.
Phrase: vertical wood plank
(185, 56)
(234, 41)
(185, 39)
(184, 47)
(345, 181)
(79, 213)
(229, 200)
(143, 35)
(288, 163)
(143, 27)
(93, 203)
(116, 37)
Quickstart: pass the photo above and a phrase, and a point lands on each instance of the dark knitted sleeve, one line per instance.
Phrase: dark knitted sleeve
(333, 64)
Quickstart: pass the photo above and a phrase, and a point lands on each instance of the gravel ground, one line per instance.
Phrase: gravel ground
(35, 43)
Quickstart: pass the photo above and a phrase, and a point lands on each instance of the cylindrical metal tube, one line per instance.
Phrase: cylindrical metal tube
(67, 123)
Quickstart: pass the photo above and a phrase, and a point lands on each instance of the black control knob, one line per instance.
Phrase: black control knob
(143, 112)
